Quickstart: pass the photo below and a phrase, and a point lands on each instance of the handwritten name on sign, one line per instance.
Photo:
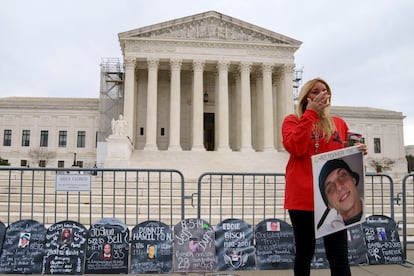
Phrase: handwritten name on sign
(194, 249)
(383, 242)
(64, 248)
(107, 248)
(151, 248)
(274, 245)
(234, 245)
(23, 248)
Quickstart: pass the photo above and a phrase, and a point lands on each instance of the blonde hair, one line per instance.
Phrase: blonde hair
(325, 124)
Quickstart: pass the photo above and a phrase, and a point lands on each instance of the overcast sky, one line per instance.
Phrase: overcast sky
(364, 49)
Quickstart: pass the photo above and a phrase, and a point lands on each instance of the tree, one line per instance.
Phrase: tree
(381, 165)
(41, 154)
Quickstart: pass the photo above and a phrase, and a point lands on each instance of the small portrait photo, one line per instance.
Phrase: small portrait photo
(273, 226)
(107, 252)
(66, 235)
(193, 245)
(24, 240)
(151, 251)
(381, 233)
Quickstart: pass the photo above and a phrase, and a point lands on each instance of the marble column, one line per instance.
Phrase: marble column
(175, 112)
(129, 97)
(268, 123)
(198, 112)
(223, 106)
(245, 108)
(151, 133)
(285, 101)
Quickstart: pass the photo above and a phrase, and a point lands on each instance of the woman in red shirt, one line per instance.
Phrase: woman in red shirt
(310, 131)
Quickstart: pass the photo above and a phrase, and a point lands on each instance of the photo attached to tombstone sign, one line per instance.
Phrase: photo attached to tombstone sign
(107, 247)
(64, 248)
(234, 245)
(23, 250)
(338, 178)
(151, 248)
(275, 247)
(194, 247)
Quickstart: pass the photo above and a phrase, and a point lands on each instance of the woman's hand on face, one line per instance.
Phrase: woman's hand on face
(319, 102)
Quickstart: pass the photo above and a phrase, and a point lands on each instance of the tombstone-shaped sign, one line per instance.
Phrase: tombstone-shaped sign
(23, 248)
(357, 249)
(319, 259)
(234, 245)
(383, 242)
(275, 248)
(107, 247)
(2, 233)
(64, 248)
(194, 249)
(151, 248)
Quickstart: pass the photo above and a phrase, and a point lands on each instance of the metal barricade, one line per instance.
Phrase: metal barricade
(408, 210)
(251, 197)
(130, 195)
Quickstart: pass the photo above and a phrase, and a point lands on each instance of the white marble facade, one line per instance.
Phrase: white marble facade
(202, 93)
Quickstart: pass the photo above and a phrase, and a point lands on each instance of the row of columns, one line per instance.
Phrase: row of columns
(222, 104)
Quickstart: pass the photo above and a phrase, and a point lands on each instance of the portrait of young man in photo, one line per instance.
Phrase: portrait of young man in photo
(341, 195)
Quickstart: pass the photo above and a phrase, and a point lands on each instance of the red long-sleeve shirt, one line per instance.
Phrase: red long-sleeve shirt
(299, 140)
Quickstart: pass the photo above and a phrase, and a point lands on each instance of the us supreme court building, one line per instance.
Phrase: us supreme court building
(206, 92)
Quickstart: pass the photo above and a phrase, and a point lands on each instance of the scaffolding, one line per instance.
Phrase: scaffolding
(111, 95)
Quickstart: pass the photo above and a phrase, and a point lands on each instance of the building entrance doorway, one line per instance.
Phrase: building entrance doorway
(209, 131)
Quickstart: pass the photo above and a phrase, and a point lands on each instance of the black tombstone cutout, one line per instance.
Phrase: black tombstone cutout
(107, 247)
(64, 248)
(194, 249)
(151, 248)
(383, 242)
(2, 233)
(319, 257)
(23, 248)
(357, 249)
(234, 245)
(275, 247)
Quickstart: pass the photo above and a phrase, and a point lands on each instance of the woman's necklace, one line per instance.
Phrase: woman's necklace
(316, 134)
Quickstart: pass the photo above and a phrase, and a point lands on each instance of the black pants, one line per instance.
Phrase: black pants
(336, 245)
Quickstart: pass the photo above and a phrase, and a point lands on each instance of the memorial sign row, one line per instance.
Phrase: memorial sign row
(67, 247)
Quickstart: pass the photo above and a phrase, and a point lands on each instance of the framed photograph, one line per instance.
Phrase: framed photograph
(338, 178)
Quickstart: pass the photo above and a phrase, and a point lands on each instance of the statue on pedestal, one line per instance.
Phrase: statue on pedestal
(119, 127)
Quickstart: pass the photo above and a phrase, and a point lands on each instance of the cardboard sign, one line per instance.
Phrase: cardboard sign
(64, 248)
(151, 248)
(194, 248)
(338, 178)
(275, 247)
(234, 245)
(23, 248)
(107, 247)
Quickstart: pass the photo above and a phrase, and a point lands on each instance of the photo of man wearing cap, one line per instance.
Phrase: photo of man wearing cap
(342, 200)
(24, 240)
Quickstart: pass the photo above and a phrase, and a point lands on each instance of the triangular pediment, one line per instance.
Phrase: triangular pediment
(209, 26)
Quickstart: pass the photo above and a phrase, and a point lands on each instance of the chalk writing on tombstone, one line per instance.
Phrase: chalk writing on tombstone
(234, 245)
(383, 242)
(357, 248)
(275, 248)
(23, 248)
(319, 259)
(194, 249)
(151, 248)
(2, 233)
(107, 247)
(64, 248)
